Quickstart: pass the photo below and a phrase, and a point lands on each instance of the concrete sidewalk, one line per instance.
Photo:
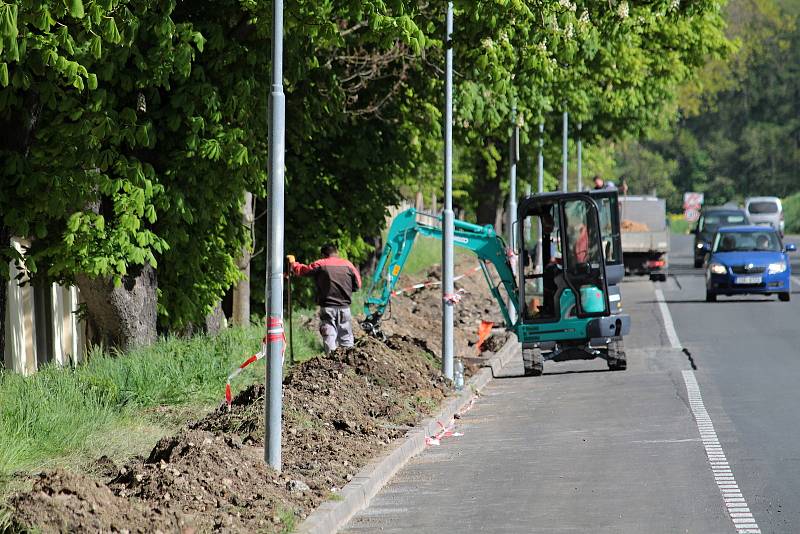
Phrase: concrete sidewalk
(580, 449)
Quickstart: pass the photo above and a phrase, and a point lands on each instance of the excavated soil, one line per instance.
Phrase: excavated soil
(340, 411)
(420, 312)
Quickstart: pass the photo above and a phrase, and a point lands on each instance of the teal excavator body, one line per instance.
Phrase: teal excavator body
(560, 291)
(482, 240)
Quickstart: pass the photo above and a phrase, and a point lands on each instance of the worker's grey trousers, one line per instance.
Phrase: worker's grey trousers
(336, 327)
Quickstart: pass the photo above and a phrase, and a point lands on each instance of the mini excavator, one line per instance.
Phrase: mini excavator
(560, 298)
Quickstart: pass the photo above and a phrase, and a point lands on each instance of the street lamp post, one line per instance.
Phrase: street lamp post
(580, 158)
(448, 287)
(540, 162)
(275, 339)
(564, 151)
(540, 189)
(513, 156)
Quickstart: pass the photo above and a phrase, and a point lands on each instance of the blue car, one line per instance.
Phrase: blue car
(746, 260)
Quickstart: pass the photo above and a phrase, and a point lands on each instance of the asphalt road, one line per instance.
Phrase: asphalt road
(583, 449)
(747, 351)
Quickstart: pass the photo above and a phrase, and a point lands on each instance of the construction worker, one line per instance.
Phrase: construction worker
(335, 279)
(599, 183)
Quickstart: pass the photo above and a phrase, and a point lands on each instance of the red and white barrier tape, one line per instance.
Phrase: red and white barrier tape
(275, 332)
(434, 282)
(453, 298)
(449, 430)
(254, 358)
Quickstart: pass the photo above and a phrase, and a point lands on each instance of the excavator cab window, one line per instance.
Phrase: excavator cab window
(543, 265)
(608, 203)
(570, 257)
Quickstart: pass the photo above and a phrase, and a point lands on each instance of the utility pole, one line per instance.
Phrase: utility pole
(513, 156)
(539, 264)
(541, 158)
(564, 151)
(527, 219)
(275, 337)
(580, 158)
(448, 288)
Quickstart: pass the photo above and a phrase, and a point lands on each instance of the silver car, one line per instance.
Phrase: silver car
(766, 211)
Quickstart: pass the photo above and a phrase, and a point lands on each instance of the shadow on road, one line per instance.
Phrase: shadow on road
(556, 373)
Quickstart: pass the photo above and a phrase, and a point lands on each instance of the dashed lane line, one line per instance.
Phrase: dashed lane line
(735, 503)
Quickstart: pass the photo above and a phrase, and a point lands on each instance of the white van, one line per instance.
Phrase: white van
(765, 210)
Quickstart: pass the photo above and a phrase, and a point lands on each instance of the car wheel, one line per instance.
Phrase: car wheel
(785, 297)
(711, 297)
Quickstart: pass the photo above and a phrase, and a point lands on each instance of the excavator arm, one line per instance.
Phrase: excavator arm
(482, 240)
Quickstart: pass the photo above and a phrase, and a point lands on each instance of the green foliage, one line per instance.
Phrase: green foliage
(616, 67)
(791, 213)
(134, 127)
(678, 224)
(737, 135)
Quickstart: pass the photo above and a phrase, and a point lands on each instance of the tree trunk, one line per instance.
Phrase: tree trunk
(499, 219)
(486, 189)
(241, 293)
(371, 261)
(215, 321)
(125, 315)
(419, 203)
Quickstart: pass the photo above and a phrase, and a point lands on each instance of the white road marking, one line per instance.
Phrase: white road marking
(669, 327)
(737, 507)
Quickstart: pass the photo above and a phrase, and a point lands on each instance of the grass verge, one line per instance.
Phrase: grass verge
(678, 224)
(119, 405)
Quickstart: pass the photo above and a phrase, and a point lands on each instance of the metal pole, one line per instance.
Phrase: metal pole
(447, 217)
(512, 178)
(527, 219)
(564, 152)
(513, 156)
(580, 158)
(275, 339)
(541, 158)
(539, 266)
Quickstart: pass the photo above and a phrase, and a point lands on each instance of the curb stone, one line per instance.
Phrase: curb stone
(330, 516)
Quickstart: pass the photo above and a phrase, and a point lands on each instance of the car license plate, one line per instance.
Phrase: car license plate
(748, 280)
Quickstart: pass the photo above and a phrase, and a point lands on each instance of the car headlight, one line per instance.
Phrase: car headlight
(776, 268)
(717, 268)
(699, 245)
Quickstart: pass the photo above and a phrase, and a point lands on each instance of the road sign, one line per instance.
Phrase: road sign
(692, 202)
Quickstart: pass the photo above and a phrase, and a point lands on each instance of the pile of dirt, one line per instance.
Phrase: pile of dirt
(633, 226)
(61, 501)
(418, 313)
(340, 410)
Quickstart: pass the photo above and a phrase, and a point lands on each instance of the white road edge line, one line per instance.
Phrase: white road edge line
(672, 335)
(726, 483)
(742, 520)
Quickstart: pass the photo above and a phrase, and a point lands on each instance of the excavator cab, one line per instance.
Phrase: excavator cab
(563, 281)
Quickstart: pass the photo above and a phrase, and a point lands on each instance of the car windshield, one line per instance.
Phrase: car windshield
(747, 241)
(762, 207)
(712, 221)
